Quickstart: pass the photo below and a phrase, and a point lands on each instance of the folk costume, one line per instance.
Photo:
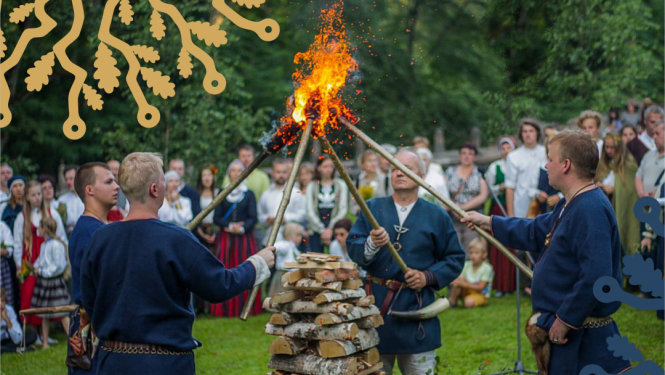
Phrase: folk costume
(234, 249)
(51, 288)
(83, 231)
(136, 280)
(578, 243)
(430, 246)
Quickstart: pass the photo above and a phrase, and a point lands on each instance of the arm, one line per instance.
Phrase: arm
(7, 238)
(525, 234)
(88, 285)
(262, 210)
(18, 241)
(511, 183)
(479, 199)
(490, 176)
(475, 287)
(250, 220)
(342, 204)
(13, 326)
(60, 226)
(207, 277)
(357, 239)
(594, 254)
(313, 221)
(296, 212)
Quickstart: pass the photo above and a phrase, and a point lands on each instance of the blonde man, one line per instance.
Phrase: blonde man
(137, 275)
(590, 122)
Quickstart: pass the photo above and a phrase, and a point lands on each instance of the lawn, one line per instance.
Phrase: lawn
(476, 341)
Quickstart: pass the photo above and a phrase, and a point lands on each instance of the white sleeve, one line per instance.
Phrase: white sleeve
(490, 176)
(185, 212)
(60, 227)
(7, 238)
(261, 268)
(342, 204)
(18, 241)
(15, 333)
(370, 249)
(296, 210)
(444, 188)
(511, 173)
(53, 260)
(262, 210)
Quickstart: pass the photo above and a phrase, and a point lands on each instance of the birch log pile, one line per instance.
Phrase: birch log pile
(323, 323)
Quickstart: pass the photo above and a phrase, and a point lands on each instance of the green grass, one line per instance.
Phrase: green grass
(471, 338)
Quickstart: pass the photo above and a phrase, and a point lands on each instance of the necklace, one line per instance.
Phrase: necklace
(93, 215)
(549, 235)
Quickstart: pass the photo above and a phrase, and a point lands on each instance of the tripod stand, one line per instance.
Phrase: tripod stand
(519, 366)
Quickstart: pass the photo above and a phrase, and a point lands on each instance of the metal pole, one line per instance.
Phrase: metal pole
(286, 198)
(376, 147)
(361, 202)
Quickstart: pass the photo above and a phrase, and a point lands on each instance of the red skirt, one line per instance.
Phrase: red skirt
(233, 250)
(504, 270)
(28, 286)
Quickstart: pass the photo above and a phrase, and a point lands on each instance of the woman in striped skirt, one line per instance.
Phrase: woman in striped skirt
(237, 216)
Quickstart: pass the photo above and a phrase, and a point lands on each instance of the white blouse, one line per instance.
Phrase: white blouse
(35, 219)
(178, 212)
(205, 202)
(286, 251)
(52, 260)
(522, 174)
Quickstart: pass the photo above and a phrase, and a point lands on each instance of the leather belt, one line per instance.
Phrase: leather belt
(131, 348)
(392, 285)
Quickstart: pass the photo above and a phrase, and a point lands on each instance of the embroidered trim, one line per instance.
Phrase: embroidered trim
(145, 351)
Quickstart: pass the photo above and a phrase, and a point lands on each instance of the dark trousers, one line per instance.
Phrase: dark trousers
(8, 345)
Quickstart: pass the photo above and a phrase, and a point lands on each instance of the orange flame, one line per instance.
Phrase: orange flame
(324, 69)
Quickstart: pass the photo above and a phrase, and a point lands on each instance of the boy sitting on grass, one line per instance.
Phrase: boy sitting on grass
(475, 282)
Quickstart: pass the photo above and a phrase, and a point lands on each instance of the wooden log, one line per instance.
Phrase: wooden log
(366, 301)
(327, 276)
(357, 313)
(321, 266)
(372, 370)
(313, 365)
(373, 321)
(320, 256)
(282, 319)
(370, 356)
(311, 331)
(287, 345)
(304, 307)
(352, 284)
(292, 276)
(286, 297)
(339, 296)
(364, 340)
(312, 285)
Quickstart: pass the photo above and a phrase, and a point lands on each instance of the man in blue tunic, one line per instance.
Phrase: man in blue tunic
(578, 243)
(431, 250)
(137, 276)
(96, 185)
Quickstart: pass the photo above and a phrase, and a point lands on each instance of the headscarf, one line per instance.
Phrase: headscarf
(13, 180)
(238, 193)
(508, 140)
(170, 174)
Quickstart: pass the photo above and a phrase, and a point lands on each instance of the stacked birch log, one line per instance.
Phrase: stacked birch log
(324, 321)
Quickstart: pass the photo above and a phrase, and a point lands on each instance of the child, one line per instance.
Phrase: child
(475, 282)
(51, 269)
(10, 329)
(341, 230)
(287, 251)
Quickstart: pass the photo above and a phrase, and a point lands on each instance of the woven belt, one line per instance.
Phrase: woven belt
(129, 348)
(597, 322)
(392, 285)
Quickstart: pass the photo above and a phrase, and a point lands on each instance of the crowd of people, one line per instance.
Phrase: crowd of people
(36, 226)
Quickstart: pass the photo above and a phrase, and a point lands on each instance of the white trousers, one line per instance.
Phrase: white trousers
(410, 364)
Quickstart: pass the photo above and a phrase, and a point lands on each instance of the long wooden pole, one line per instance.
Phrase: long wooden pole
(361, 202)
(376, 147)
(286, 198)
(48, 310)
